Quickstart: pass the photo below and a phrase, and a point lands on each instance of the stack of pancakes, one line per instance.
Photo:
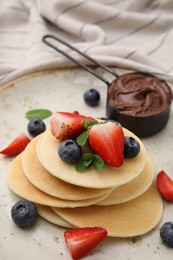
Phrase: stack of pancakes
(123, 200)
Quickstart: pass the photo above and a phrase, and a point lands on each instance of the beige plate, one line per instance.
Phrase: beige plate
(63, 90)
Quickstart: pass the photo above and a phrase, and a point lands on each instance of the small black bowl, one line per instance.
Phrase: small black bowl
(140, 124)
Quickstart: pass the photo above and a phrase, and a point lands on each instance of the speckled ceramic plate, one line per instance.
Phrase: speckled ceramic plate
(63, 90)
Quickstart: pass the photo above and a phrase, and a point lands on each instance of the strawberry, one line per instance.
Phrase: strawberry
(80, 241)
(107, 140)
(165, 186)
(76, 112)
(17, 145)
(65, 125)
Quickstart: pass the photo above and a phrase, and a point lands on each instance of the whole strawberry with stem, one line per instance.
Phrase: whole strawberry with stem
(107, 140)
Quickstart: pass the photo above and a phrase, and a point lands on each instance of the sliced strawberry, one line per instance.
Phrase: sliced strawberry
(165, 186)
(76, 112)
(80, 241)
(17, 145)
(107, 140)
(65, 125)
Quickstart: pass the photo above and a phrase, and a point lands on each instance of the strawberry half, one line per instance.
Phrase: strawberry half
(80, 241)
(107, 140)
(17, 145)
(65, 125)
(165, 186)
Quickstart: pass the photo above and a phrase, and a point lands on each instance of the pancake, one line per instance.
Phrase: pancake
(20, 185)
(128, 219)
(48, 214)
(132, 189)
(51, 185)
(47, 154)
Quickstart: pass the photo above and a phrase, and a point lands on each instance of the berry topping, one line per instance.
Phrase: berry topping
(92, 97)
(69, 151)
(107, 140)
(24, 213)
(36, 126)
(166, 234)
(16, 146)
(66, 125)
(165, 186)
(81, 241)
(131, 147)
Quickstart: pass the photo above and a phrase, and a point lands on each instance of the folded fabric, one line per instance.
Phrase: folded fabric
(132, 34)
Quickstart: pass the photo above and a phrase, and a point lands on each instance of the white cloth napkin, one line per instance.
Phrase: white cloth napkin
(132, 34)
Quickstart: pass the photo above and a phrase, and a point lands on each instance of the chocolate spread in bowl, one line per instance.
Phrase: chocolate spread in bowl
(139, 94)
(141, 102)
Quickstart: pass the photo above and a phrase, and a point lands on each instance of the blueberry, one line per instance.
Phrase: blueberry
(131, 147)
(166, 234)
(70, 151)
(36, 126)
(92, 97)
(24, 213)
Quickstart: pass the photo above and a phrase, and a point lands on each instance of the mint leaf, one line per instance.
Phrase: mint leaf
(98, 162)
(88, 123)
(80, 167)
(38, 113)
(84, 162)
(88, 158)
(82, 138)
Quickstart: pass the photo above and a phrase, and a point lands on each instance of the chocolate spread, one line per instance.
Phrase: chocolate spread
(139, 94)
